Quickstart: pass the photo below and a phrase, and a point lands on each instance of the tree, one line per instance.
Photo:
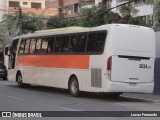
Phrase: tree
(99, 15)
(57, 22)
(10, 26)
(127, 11)
(32, 22)
(93, 16)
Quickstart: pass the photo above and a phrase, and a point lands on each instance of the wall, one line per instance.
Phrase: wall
(144, 10)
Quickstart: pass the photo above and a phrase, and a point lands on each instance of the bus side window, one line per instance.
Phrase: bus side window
(50, 45)
(96, 42)
(77, 43)
(32, 45)
(100, 42)
(27, 46)
(91, 44)
(38, 45)
(44, 45)
(65, 44)
(21, 48)
(58, 44)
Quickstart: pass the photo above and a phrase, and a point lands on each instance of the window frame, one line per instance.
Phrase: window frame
(53, 38)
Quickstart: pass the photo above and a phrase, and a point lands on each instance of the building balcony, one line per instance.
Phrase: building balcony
(70, 2)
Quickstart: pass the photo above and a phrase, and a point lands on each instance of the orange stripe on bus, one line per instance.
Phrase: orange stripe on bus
(55, 61)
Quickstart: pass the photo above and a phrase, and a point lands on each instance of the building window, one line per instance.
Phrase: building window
(13, 4)
(36, 5)
(25, 3)
(75, 8)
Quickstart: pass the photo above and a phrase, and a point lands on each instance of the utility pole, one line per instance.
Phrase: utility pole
(20, 19)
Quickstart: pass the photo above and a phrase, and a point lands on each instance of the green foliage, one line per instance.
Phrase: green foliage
(93, 16)
(128, 11)
(111, 17)
(10, 26)
(57, 22)
(98, 15)
(158, 10)
(32, 22)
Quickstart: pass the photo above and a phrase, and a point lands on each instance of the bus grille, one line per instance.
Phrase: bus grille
(96, 77)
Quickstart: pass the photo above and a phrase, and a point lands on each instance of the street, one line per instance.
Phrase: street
(38, 98)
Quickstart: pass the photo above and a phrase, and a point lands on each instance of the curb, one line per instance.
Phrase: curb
(142, 99)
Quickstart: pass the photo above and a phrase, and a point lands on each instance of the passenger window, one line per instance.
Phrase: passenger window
(21, 48)
(65, 44)
(32, 45)
(77, 43)
(27, 46)
(101, 37)
(91, 44)
(44, 46)
(50, 45)
(38, 45)
(58, 44)
(96, 42)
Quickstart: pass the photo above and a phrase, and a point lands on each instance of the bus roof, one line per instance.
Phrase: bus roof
(76, 29)
(60, 29)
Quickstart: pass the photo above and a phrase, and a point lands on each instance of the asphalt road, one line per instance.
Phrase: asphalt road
(38, 98)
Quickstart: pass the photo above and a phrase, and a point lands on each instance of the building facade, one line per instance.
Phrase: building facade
(35, 6)
(71, 8)
(145, 10)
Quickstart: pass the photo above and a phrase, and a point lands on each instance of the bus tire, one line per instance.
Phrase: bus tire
(74, 86)
(19, 79)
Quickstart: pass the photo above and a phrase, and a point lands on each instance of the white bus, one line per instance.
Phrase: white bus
(112, 58)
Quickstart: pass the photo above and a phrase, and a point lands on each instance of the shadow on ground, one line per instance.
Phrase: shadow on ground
(84, 95)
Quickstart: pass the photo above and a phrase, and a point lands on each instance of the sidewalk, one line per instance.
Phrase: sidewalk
(148, 97)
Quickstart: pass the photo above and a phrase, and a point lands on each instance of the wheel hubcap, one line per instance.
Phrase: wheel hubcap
(19, 80)
(74, 87)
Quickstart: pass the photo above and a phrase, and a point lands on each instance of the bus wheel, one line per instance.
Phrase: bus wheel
(74, 87)
(19, 80)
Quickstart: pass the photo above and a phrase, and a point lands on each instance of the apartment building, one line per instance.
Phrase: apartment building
(144, 10)
(35, 6)
(70, 8)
